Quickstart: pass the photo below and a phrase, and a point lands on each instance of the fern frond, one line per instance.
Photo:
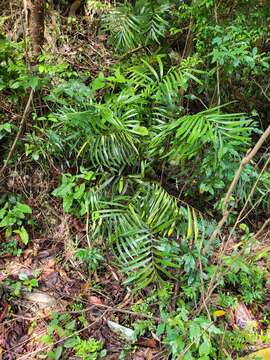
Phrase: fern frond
(142, 24)
(156, 28)
(178, 77)
(155, 21)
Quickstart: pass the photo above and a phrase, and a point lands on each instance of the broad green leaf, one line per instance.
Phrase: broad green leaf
(98, 83)
(71, 342)
(205, 348)
(24, 208)
(23, 235)
(56, 353)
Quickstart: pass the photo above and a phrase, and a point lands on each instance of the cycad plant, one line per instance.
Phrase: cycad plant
(143, 228)
(134, 131)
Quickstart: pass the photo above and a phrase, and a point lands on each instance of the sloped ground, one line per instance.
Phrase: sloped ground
(61, 283)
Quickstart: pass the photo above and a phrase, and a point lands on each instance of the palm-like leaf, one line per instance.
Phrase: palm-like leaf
(155, 21)
(105, 138)
(145, 231)
(131, 26)
(186, 135)
(151, 79)
(123, 26)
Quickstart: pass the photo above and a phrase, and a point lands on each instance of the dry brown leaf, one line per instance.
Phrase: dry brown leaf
(49, 268)
(102, 38)
(94, 300)
(78, 225)
(51, 263)
(146, 354)
(244, 318)
(85, 287)
(149, 343)
(4, 311)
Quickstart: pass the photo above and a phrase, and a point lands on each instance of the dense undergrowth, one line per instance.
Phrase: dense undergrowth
(141, 152)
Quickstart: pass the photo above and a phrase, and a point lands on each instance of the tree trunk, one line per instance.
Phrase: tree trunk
(35, 10)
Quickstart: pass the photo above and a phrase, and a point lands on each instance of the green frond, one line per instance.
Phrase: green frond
(142, 24)
(178, 77)
(147, 233)
(156, 28)
(155, 21)
(123, 26)
(110, 150)
(100, 136)
(150, 79)
(188, 134)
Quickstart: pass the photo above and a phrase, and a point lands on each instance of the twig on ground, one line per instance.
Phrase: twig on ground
(27, 356)
(99, 306)
(116, 309)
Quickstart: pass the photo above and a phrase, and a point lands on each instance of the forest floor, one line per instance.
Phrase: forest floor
(45, 280)
(63, 287)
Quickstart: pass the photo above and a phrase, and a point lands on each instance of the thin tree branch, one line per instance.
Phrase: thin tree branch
(239, 217)
(24, 117)
(266, 223)
(218, 74)
(263, 91)
(236, 178)
(244, 162)
(214, 283)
